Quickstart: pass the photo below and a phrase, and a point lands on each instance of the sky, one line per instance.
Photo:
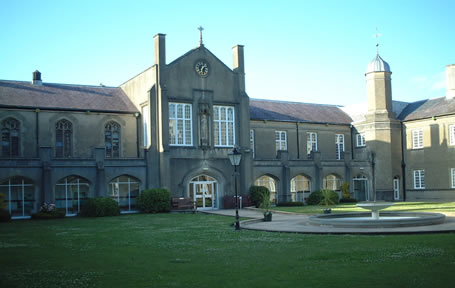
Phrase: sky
(304, 51)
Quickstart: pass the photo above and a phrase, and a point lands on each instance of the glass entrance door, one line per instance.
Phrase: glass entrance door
(361, 189)
(204, 194)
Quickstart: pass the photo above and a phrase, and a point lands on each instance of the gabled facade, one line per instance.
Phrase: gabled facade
(174, 124)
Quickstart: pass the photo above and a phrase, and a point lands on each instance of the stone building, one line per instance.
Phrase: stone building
(174, 124)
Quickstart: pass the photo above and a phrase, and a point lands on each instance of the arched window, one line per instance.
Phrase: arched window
(63, 138)
(10, 137)
(124, 189)
(19, 195)
(299, 185)
(112, 139)
(332, 182)
(70, 194)
(269, 183)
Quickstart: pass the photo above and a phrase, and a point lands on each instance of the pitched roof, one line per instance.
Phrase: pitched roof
(428, 108)
(64, 97)
(294, 111)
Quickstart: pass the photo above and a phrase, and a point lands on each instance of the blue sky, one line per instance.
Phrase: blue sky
(306, 51)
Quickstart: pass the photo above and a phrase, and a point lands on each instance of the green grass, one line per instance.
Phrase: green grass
(351, 207)
(197, 250)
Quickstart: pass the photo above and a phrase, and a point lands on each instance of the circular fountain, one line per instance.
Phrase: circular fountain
(377, 219)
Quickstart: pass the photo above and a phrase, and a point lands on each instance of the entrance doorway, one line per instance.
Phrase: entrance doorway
(203, 191)
(361, 188)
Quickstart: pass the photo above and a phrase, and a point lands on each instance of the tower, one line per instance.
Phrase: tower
(383, 131)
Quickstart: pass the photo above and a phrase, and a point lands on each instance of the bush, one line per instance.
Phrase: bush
(257, 194)
(100, 207)
(154, 200)
(290, 204)
(4, 215)
(329, 197)
(49, 215)
(314, 198)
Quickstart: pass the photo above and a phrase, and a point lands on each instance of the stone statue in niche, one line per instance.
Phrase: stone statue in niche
(204, 124)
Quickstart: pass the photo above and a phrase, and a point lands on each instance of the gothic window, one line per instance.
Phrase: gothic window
(112, 139)
(332, 182)
(63, 138)
(299, 185)
(70, 194)
(180, 124)
(20, 196)
(124, 189)
(10, 137)
(269, 183)
(224, 128)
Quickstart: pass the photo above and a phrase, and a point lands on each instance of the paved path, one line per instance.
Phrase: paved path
(298, 223)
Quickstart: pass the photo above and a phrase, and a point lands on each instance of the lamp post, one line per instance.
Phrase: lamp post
(235, 156)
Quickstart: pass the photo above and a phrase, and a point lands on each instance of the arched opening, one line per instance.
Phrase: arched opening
(203, 190)
(300, 185)
(20, 196)
(332, 182)
(70, 194)
(124, 189)
(361, 190)
(269, 183)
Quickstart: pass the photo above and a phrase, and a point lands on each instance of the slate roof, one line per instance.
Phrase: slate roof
(64, 97)
(294, 111)
(428, 108)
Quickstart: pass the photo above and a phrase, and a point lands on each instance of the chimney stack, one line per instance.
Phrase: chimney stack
(239, 65)
(160, 49)
(450, 81)
(37, 78)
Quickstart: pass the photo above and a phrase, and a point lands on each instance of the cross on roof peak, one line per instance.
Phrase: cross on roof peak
(200, 28)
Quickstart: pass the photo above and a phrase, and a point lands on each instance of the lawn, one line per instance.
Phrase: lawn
(199, 250)
(398, 206)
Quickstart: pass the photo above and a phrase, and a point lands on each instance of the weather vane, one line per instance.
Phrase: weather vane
(377, 35)
(200, 35)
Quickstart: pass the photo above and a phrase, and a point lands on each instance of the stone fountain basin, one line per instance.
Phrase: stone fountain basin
(386, 220)
(374, 206)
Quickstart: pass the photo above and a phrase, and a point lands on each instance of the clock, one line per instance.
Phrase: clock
(202, 68)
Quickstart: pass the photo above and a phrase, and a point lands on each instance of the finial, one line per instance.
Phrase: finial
(377, 35)
(200, 35)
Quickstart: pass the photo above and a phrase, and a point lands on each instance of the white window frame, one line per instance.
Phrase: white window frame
(361, 140)
(339, 145)
(417, 139)
(451, 134)
(311, 142)
(219, 122)
(185, 119)
(419, 179)
(252, 142)
(280, 143)
(452, 174)
(68, 190)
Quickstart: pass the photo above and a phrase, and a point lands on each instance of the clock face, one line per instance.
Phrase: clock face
(202, 68)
